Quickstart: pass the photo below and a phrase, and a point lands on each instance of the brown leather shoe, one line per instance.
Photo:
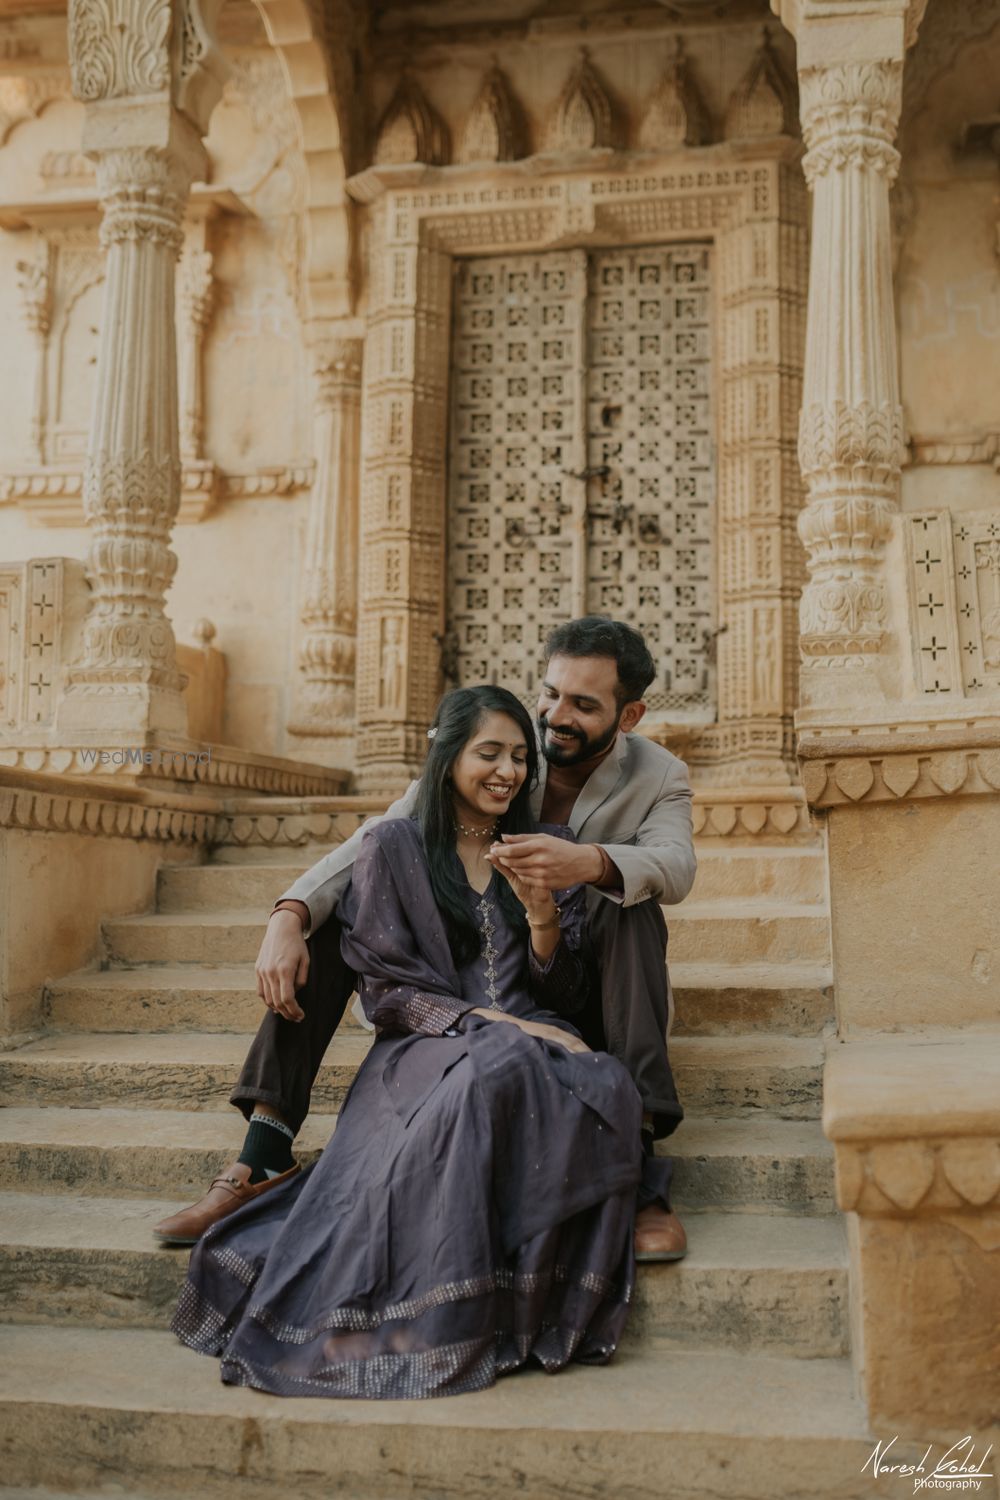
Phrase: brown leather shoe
(230, 1190)
(659, 1235)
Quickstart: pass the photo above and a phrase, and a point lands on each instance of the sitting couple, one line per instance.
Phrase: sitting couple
(491, 1180)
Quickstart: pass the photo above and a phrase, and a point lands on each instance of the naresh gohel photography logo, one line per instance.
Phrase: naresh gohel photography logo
(959, 1468)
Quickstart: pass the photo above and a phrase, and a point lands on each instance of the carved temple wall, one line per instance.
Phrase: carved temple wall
(320, 403)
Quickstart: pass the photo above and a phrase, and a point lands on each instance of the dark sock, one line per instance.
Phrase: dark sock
(267, 1150)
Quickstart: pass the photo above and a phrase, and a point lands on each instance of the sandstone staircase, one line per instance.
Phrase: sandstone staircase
(734, 1380)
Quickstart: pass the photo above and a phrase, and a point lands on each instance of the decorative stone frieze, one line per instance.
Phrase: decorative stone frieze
(169, 761)
(324, 704)
(249, 824)
(975, 448)
(675, 114)
(494, 130)
(888, 771)
(101, 816)
(763, 103)
(585, 117)
(752, 816)
(411, 130)
(52, 496)
(851, 433)
(920, 1176)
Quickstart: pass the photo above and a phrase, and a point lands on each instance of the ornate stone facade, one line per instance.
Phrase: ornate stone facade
(753, 214)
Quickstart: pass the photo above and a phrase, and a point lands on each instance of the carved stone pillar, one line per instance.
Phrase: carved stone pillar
(851, 434)
(149, 87)
(35, 285)
(324, 702)
(127, 676)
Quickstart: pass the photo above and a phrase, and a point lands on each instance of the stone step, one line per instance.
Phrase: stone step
(713, 999)
(193, 888)
(785, 875)
(196, 1070)
(76, 1401)
(176, 1070)
(746, 1164)
(751, 1163)
(710, 999)
(162, 997)
(716, 932)
(776, 1283)
(790, 874)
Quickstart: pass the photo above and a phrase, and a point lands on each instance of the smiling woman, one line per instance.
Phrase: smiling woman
(474, 1210)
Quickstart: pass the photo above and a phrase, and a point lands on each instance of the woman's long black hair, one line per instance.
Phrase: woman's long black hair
(459, 715)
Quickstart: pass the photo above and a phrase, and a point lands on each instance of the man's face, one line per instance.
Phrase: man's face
(578, 710)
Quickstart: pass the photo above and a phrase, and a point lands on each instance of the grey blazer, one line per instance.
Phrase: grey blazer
(636, 805)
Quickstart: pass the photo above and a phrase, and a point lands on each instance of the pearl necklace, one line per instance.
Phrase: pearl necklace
(477, 833)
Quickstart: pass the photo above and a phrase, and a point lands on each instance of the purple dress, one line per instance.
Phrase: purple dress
(474, 1208)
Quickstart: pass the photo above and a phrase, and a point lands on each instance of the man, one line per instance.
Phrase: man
(629, 803)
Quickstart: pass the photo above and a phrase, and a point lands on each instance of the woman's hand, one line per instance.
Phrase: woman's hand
(535, 897)
(554, 1034)
(535, 1028)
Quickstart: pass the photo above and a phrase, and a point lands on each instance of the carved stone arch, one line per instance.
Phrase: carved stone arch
(305, 38)
(24, 96)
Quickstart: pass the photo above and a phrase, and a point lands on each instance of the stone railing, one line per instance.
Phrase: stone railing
(915, 1123)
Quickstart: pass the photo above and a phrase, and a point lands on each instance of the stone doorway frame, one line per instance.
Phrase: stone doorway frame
(751, 206)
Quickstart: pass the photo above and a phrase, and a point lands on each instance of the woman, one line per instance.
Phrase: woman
(474, 1207)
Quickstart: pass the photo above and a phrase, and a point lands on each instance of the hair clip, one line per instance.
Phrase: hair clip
(432, 732)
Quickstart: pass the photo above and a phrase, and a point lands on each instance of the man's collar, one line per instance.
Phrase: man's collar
(595, 790)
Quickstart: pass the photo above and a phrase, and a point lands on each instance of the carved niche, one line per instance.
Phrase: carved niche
(675, 114)
(495, 128)
(585, 118)
(763, 102)
(411, 130)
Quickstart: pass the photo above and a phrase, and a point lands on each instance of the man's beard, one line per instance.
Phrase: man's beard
(576, 750)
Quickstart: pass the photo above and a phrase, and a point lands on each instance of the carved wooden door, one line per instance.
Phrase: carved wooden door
(581, 473)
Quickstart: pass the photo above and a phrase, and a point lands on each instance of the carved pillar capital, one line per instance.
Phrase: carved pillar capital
(143, 193)
(336, 367)
(850, 113)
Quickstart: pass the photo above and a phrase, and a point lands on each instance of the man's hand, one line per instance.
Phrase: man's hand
(282, 964)
(547, 861)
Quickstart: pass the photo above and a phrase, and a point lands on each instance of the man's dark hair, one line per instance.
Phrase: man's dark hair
(599, 635)
(458, 717)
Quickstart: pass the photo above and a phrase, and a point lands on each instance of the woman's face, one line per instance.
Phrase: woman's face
(489, 769)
